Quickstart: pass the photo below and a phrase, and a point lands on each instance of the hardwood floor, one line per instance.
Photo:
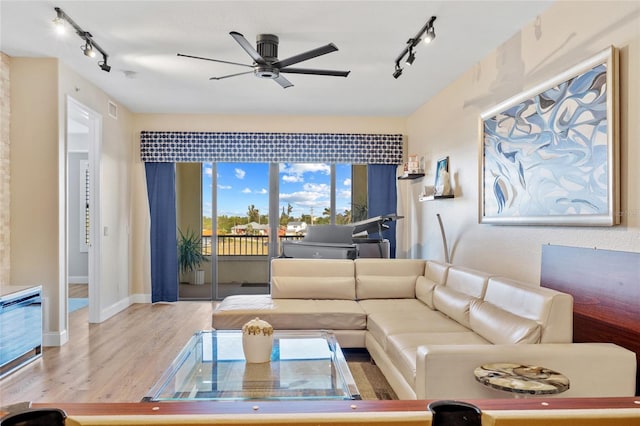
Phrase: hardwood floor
(115, 361)
(78, 290)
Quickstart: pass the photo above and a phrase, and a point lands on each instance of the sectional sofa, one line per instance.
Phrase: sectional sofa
(428, 325)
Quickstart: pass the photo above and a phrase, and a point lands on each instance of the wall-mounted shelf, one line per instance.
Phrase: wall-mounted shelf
(435, 197)
(411, 176)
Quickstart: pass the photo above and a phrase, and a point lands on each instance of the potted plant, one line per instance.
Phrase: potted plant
(190, 255)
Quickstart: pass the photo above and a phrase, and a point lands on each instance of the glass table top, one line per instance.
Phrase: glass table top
(305, 364)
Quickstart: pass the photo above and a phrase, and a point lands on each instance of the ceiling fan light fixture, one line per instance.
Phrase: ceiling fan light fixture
(266, 64)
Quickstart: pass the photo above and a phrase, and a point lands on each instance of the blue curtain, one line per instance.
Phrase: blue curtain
(382, 197)
(161, 190)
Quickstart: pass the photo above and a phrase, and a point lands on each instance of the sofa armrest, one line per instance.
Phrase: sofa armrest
(593, 369)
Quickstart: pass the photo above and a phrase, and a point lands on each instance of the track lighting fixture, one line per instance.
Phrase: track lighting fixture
(429, 35)
(426, 33)
(411, 57)
(58, 22)
(398, 72)
(90, 46)
(88, 49)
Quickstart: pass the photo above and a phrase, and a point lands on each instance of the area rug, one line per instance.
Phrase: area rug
(368, 377)
(76, 303)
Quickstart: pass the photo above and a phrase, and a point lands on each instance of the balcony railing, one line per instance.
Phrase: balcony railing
(243, 245)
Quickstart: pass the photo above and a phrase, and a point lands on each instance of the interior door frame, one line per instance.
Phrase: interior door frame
(94, 124)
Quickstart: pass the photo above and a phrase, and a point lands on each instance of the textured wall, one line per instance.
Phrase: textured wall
(448, 125)
(5, 116)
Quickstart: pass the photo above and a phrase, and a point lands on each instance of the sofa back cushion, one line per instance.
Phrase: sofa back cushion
(387, 278)
(551, 309)
(501, 327)
(435, 274)
(462, 286)
(312, 279)
(467, 281)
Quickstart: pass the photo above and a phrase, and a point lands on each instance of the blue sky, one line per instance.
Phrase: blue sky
(305, 186)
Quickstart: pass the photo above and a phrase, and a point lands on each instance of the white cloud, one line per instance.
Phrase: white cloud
(208, 170)
(347, 182)
(240, 173)
(292, 178)
(294, 172)
(262, 191)
(321, 188)
(344, 194)
(224, 186)
(246, 191)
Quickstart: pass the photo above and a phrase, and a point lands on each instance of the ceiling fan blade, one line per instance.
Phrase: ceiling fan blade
(282, 81)
(248, 47)
(315, 72)
(230, 75)
(215, 60)
(306, 55)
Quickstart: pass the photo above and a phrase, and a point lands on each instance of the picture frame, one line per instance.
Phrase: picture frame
(439, 185)
(550, 155)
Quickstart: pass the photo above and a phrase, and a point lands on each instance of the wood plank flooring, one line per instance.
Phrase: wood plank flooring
(115, 361)
(78, 290)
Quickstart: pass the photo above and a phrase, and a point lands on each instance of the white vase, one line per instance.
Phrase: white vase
(257, 341)
(198, 277)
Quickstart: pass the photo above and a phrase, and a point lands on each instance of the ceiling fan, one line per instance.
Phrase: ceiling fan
(266, 63)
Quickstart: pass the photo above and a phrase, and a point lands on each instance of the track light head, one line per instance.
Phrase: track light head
(429, 35)
(58, 22)
(398, 72)
(410, 58)
(87, 49)
(104, 66)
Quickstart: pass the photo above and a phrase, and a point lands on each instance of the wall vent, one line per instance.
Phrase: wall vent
(113, 110)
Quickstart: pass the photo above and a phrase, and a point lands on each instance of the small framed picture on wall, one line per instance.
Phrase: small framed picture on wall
(442, 177)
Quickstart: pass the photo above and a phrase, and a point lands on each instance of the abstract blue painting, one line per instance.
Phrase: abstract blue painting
(549, 155)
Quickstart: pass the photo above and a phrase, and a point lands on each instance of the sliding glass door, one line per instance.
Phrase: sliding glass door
(241, 217)
(243, 211)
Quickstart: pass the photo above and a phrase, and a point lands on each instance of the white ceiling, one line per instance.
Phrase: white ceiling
(142, 39)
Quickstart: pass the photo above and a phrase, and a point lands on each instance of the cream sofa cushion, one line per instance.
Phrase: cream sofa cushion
(552, 309)
(381, 325)
(467, 281)
(499, 326)
(435, 273)
(312, 279)
(453, 303)
(289, 314)
(402, 348)
(381, 279)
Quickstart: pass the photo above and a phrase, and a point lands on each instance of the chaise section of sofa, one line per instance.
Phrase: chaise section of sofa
(305, 294)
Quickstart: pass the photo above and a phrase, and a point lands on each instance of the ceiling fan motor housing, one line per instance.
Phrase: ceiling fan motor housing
(267, 47)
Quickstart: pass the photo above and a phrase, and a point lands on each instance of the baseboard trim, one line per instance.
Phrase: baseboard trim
(140, 298)
(78, 279)
(55, 338)
(112, 310)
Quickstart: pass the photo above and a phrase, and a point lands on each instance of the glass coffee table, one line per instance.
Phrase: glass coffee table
(211, 367)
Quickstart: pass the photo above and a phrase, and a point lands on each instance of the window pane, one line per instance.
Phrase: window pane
(343, 194)
(305, 196)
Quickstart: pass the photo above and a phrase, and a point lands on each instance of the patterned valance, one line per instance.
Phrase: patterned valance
(171, 147)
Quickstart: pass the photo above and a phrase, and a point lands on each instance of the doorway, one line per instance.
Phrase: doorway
(83, 132)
